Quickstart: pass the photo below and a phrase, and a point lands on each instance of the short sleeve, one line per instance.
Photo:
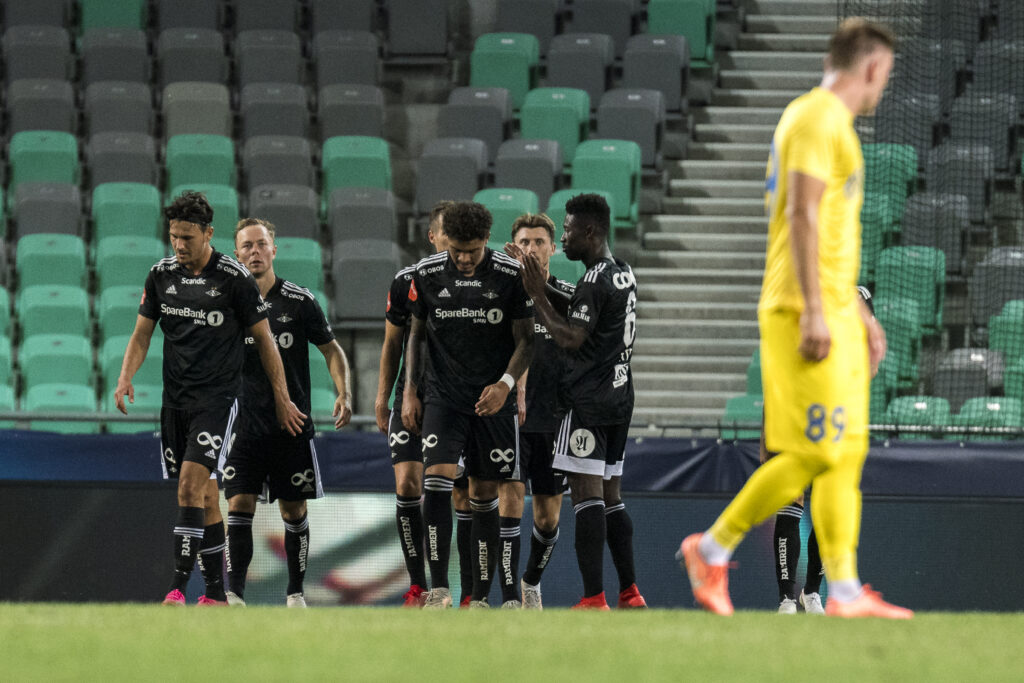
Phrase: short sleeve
(521, 303)
(149, 307)
(586, 303)
(397, 311)
(809, 148)
(415, 300)
(249, 305)
(318, 330)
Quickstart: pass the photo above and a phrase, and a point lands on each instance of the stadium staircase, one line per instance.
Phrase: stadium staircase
(701, 260)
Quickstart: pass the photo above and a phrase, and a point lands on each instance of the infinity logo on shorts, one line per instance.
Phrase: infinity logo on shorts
(499, 455)
(398, 439)
(300, 478)
(206, 439)
(429, 441)
(169, 456)
(229, 472)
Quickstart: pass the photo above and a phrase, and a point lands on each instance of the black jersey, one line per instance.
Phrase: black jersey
(296, 321)
(598, 383)
(397, 313)
(469, 326)
(204, 318)
(543, 412)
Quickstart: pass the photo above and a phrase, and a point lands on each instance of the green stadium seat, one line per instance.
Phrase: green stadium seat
(879, 396)
(117, 309)
(126, 209)
(918, 411)
(114, 14)
(901, 319)
(64, 397)
(355, 161)
(202, 159)
(224, 201)
(740, 409)
(148, 399)
(48, 358)
(556, 209)
(112, 354)
(506, 205)
(561, 267)
(890, 169)
(5, 311)
(5, 360)
(505, 60)
(7, 403)
(50, 259)
(613, 166)
(319, 375)
(300, 260)
(559, 114)
(43, 156)
(989, 411)
(694, 19)
(321, 401)
(878, 230)
(321, 298)
(917, 273)
(754, 386)
(126, 260)
(53, 309)
(1006, 331)
(1013, 379)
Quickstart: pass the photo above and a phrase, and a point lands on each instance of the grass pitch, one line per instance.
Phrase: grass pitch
(55, 642)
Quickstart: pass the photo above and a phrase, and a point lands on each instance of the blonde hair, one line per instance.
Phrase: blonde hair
(249, 222)
(855, 38)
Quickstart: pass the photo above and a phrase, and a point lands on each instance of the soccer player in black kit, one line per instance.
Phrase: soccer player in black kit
(265, 459)
(205, 302)
(470, 306)
(597, 332)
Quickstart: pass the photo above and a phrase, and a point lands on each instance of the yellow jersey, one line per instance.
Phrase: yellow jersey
(815, 136)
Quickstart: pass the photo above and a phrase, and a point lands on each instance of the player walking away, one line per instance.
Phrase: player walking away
(265, 459)
(205, 302)
(597, 332)
(534, 234)
(470, 306)
(816, 336)
(406, 451)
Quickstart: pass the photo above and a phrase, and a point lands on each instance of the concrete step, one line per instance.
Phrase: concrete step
(733, 132)
(760, 59)
(668, 258)
(745, 312)
(769, 80)
(701, 276)
(732, 244)
(677, 381)
(783, 42)
(723, 189)
(802, 7)
(734, 365)
(745, 293)
(761, 116)
(713, 169)
(715, 206)
(671, 347)
(682, 400)
(747, 225)
(792, 24)
(729, 151)
(675, 415)
(744, 97)
(697, 328)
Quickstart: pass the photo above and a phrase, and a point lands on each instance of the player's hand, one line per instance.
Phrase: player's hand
(342, 412)
(877, 344)
(492, 398)
(289, 417)
(412, 412)
(815, 340)
(534, 281)
(123, 387)
(521, 403)
(382, 413)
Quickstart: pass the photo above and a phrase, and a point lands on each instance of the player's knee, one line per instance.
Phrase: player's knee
(242, 503)
(292, 510)
(511, 495)
(408, 486)
(483, 489)
(545, 515)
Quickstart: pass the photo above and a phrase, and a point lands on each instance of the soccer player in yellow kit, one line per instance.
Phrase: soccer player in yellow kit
(817, 338)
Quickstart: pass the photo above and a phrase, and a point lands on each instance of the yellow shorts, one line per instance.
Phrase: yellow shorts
(819, 409)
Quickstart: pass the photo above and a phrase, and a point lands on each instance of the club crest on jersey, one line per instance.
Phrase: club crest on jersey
(490, 294)
(582, 443)
(284, 318)
(212, 292)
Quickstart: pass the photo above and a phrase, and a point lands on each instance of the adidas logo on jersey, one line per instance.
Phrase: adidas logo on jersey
(171, 290)
(444, 293)
(506, 468)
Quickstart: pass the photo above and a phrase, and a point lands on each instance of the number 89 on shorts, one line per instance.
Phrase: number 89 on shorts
(821, 423)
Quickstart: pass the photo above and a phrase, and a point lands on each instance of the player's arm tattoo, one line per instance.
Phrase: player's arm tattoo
(417, 330)
(565, 335)
(522, 332)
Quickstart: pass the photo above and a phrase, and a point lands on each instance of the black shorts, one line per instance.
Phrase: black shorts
(536, 451)
(404, 445)
(273, 467)
(584, 449)
(490, 444)
(200, 436)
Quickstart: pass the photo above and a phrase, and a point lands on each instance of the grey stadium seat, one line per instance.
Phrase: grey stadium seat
(293, 209)
(37, 13)
(278, 160)
(962, 168)
(351, 15)
(188, 14)
(118, 107)
(617, 19)
(988, 119)
(122, 157)
(539, 18)
(268, 56)
(658, 62)
(362, 271)
(966, 373)
(266, 14)
(482, 113)
(46, 208)
(350, 57)
(350, 110)
(37, 52)
(926, 65)
(418, 27)
(937, 220)
(998, 278)
(197, 108)
(115, 54)
(534, 165)
(274, 109)
(191, 54)
(583, 61)
(41, 104)
(908, 119)
(450, 168)
(637, 115)
(999, 67)
(356, 213)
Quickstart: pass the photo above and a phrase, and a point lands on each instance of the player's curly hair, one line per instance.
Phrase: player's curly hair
(592, 209)
(190, 207)
(467, 222)
(534, 220)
